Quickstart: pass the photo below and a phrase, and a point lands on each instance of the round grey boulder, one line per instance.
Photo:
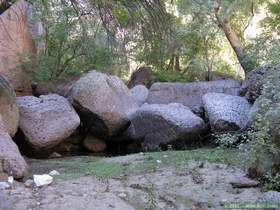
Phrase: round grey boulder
(157, 125)
(46, 121)
(103, 103)
(226, 112)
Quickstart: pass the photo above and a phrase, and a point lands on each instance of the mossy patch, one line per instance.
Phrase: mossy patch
(75, 167)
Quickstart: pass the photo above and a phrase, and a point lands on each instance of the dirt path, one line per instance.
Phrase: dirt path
(198, 185)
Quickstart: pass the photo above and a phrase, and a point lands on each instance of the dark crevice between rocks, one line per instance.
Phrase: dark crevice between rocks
(26, 149)
(5, 5)
(91, 121)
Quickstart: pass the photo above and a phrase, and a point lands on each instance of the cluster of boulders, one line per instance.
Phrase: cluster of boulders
(100, 109)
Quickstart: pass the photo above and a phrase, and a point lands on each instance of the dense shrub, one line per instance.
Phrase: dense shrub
(231, 140)
(265, 146)
(72, 44)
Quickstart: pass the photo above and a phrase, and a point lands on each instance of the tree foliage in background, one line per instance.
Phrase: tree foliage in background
(74, 42)
(182, 40)
(266, 126)
(266, 47)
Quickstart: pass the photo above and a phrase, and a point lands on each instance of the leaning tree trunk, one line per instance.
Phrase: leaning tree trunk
(232, 37)
(235, 44)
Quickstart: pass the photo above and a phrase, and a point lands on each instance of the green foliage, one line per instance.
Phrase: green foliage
(226, 140)
(169, 76)
(72, 44)
(181, 44)
(266, 122)
(231, 140)
(266, 47)
(270, 181)
(152, 202)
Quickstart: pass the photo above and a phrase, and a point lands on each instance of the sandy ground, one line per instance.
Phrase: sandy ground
(201, 185)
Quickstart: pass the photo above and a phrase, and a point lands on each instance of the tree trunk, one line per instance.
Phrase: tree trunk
(235, 43)
(177, 63)
(232, 37)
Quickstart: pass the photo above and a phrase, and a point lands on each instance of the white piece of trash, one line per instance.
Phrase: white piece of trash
(122, 195)
(11, 179)
(54, 173)
(41, 180)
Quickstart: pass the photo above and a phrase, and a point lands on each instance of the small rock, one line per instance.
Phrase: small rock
(10, 179)
(28, 183)
(55, 155)
(54, 173)
(41, 180)
(94, 144)
(244, 182)
(122, 195)
(4, 186)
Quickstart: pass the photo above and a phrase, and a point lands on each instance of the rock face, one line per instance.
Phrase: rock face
(190, 94)
(226, 112)
(140, 94)
(8, 108)
(159, 125)
(11, 161)
(142, 76)
(103, 102)
(252, 85)
(46, 121)
(271, 197)
(94, 144)
(15, 40)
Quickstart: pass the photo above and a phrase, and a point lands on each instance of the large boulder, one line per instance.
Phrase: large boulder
(103, 102)
(46, 121)
(11, 161)
(226, 112)
(158, 125)
(140, 94)
(142, 76)
(190, 94)
(8, 107)
(252, 85)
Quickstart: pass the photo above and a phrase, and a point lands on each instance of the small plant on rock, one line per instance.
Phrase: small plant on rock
(271, 181)
(152, 202)
(230, 140)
